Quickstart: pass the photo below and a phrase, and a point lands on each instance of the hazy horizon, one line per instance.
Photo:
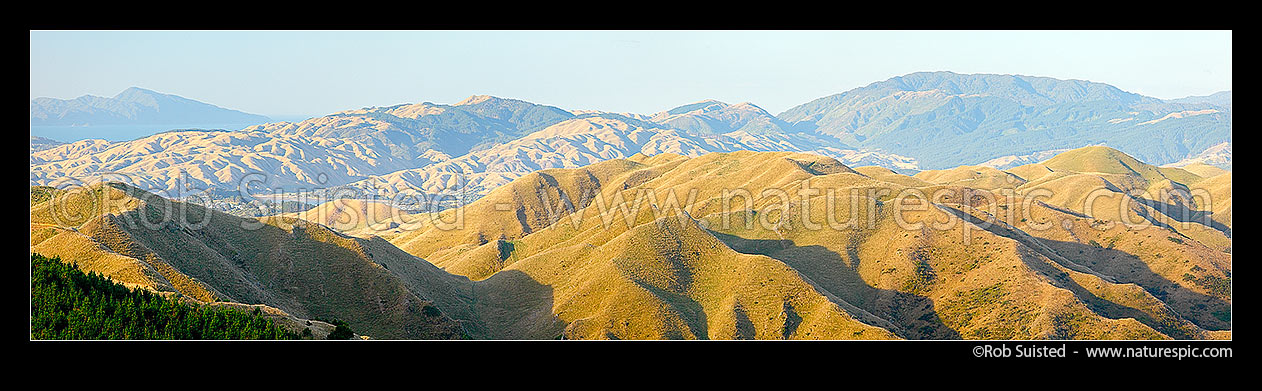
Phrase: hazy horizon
(291, 74)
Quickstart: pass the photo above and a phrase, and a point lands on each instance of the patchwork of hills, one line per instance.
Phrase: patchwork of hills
(933, 205)
(927, 120)
(1091, 243)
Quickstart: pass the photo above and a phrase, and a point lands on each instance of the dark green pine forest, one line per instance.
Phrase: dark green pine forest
(67, 303)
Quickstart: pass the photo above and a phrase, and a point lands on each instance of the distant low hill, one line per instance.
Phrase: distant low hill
(134, 106)
(714, 117)
(409, 131)
(41, 143)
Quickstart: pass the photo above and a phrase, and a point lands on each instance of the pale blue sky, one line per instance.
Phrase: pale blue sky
(285, 73)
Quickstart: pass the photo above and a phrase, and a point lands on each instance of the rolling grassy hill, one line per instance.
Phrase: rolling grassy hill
(305, 269)
(983, 277)
(1121, 188)
(740, 245)
(359, 217)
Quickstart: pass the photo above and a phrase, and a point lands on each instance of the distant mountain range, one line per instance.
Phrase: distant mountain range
(181, 160)
(133, 106)
(1222, 98)
(945, 119)
(915, 122)
(714, 117)
(410, 130)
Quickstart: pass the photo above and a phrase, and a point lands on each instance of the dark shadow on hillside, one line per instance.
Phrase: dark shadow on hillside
(512, 305)
(689, 308)
(1200, 309)
(297, 269)
(507, 305)
(1102, 307)
(335, 282)
(914, 314)
(1062, 210)
(1186, 215)
(745, 328)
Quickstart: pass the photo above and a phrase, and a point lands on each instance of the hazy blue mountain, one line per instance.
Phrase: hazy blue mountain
(1218, 155)
(714, 117)
(41, 143)
(945, 119)
(524, 116)
(1221, 98)
(908, 123)
(410, 131)
(133, 106)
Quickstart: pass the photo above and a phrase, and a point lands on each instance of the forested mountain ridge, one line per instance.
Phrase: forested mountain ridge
(945, 119)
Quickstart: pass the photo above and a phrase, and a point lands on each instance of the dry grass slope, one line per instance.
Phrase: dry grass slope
(304, 269)
(741, 245)
(684, 265)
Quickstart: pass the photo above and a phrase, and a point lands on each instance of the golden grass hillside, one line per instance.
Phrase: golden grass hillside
(305, 269)
(360, 217)
(1219, 189)
(1107, 184)
(510, 212)
(1090, 244)
(734, 245)
(662, 278)
(1189, 278)
(885, 174)
(1204, 170)
(973, 176)
(1099, 159)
